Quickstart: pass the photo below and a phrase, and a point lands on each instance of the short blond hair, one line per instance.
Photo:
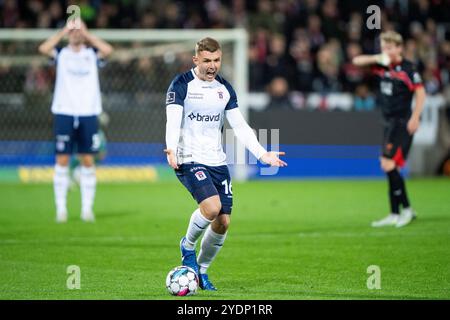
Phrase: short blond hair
(207, 44)
(392, 37)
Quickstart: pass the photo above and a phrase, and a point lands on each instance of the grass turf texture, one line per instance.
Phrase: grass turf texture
(288, 240)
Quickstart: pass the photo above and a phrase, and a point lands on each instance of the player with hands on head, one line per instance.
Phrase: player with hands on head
(76, 106)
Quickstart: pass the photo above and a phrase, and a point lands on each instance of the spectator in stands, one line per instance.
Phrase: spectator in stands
(431, 77)
(256, 69)
(263, 18)
(327, 79)
(331, 24)
(277, 63)
(444, 62)
(306, 27)
(56, 15)
(171, 17)
(411, 51)
(37, 79)
(420, 11)
(102, 21)
(10, 14)
(351, 75)
(239, 14)
(302, 58)
(143, 79)
(314, 30)
(44, 20)
(364, 100)
(354, 27)
(426, 48)
(278, 90)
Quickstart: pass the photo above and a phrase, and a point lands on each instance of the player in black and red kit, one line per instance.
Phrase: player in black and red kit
(399, 82)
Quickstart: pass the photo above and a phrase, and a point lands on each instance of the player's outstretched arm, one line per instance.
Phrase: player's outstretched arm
(48, 46)
(414, 121)
(367, 60)
(247, 137)
(174, 115)
(272, 158)
(104, 48)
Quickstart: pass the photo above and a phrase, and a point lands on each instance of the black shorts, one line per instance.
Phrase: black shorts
(76, 134)
(396, 141)
(205, 181)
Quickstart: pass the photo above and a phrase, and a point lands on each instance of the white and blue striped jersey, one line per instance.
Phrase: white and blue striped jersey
(204, 104)
(77, 88)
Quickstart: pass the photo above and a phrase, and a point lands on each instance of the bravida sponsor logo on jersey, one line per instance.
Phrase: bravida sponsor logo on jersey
(205, 118)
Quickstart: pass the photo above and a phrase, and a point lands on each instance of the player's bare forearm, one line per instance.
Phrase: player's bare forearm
(414, 121)
(419, 102)
(49, 45)
(367, 60)
(103, 47)
(364, 60)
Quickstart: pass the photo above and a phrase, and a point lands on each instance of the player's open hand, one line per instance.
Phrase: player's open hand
(73, 24)
(171, 158)
(413, 125)
(83, 28)
(273, 159)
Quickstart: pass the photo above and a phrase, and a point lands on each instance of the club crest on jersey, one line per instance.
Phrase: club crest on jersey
(200, 175)
(170, 97)
(220, 94)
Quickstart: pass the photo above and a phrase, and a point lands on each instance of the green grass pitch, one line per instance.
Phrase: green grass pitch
(287, 240)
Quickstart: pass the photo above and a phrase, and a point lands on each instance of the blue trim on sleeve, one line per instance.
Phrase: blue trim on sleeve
(101, 62)
(54, 60)
(232, 103)
(178, 89)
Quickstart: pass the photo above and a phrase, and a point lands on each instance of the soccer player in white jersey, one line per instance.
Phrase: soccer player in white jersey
(76, 105)
(196, 104)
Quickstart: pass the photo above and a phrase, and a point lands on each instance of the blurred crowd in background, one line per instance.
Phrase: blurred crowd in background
(295, 45)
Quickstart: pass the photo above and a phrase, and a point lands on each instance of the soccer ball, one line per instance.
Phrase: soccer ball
(182, 281)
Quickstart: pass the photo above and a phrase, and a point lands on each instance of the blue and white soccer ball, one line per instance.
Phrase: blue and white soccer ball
(182, 281)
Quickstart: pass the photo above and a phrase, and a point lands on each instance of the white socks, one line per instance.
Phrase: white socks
(197, 225)
(88, 181)
(61, 183)
(211, 244)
